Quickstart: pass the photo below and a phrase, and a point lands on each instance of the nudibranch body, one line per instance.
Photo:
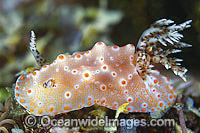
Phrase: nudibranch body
(107, 75)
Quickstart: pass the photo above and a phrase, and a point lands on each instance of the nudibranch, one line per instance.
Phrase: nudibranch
(106, 75)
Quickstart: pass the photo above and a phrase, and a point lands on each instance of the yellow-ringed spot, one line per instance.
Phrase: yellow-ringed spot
(87, 53)
(131, 57)
(66, 68)
(130, 76)
(61, 57)
(103, 87)
(101, 59)
(74, 71)
(158, 95)
(104, 68)
(122, 82)
(78, 57)
(114, 74)
(111, 58)
(130, 99)
(76, 86)
(67, 95)
(144, 105)
(87, 75)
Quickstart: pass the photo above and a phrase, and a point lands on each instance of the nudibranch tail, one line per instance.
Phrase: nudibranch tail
(32, 45)
(150, 51)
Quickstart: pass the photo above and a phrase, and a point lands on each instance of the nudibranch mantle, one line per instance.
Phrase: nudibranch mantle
(107, 75)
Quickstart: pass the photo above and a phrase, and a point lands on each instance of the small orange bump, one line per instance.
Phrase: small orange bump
(134, 110)
(18, 83)
(40, 111)
(131, 45)
(106, 105)
(31, 110)
(115, 46)
(17, 87)
(158, 108)
(161, 104)
(143, 109)
(97, 101)
(29, 91)
(99, 43)
(129, 108)
(114, 107)
(78, 56)
(169, 104)
(89, 103)
(26, 107)
(45, 66)
(79, 106)
(22, 100)
(155, 81)
(167, 79)
(173, 89)
(51, 109)
(66, 107)
(22, 77)
(103, 101)
(34, 73)
(17, 94)
(104, 67)
(87, 52)
(61, 57)
(152, 109)
(115, 104)
(89, 98)
(86, 75)
(49, 114)
(56, 113)
(28, 73)
(123, 82)
(174, 96)
(170, 96)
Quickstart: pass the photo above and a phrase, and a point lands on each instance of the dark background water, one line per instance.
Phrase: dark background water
(76, 25)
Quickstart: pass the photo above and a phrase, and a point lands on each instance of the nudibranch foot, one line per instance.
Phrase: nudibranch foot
(32, 45)
(108, 76)
(150, 51)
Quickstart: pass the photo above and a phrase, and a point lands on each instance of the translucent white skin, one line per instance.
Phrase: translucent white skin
(104, 75)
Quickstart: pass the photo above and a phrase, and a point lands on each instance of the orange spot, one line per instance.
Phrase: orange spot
(134, 110)
(114, 107)
(103, 101)
(131, 45)
(152, 109)
(174, 96)
(97, 101)
(131, 57)
(25, 106)
(173, 89)
(45, 66)
(169, 104)
(170, 96)
(123, 82)
(31, 110)
(115, 104)
(144, 105)
(106, 105)
(158, 108)
(171, 85)
(143, 109)
(167, 79)
(22, 77)
(87, 52)
(161, 104)
(67, 94)
(129, 108)
(34, 73)
(129, 99)
(79, 106)
(17, 87)
(99, 43)
(17, 94)
(158, 95)
(56, 113)
(28, 73)
(86, 75)
(115, 46)
(78, 56)
(22, 100)
(89, 103)
(104, 67)
(89, 98)
(101, 59)
(61, 57)
(17, 83)
(165, 106)
(40, 111)
(29, 91)
(49, 114)
(66, 107)
(103, 87)
(155, 81)
(51, 109)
